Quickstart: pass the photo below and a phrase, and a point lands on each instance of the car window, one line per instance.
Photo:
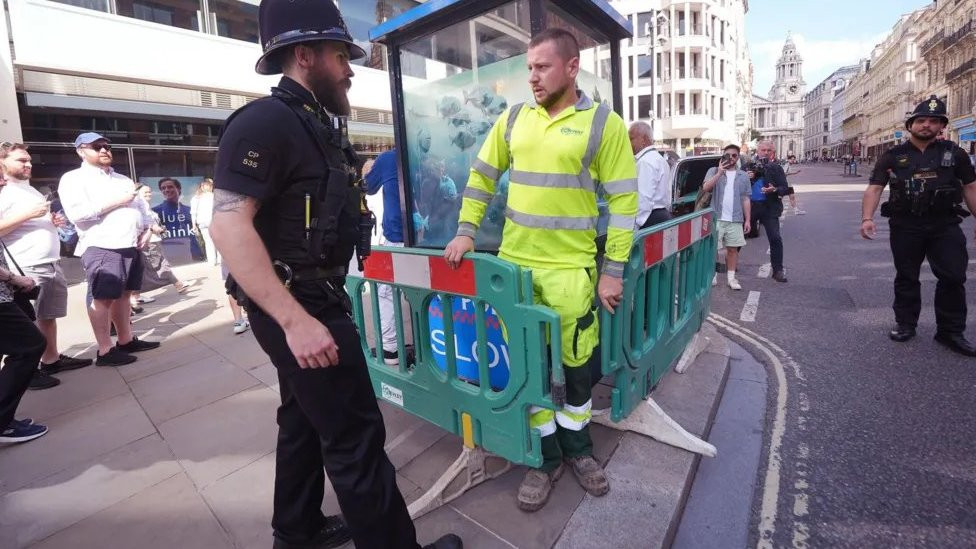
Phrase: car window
(691, 175)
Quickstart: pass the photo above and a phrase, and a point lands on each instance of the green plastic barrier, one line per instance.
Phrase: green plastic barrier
(667, 287)
(496, 419)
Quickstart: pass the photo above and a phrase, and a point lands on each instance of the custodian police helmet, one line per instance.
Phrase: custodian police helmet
(286, 22)
(933, 107)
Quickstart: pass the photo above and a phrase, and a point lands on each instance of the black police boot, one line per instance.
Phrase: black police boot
(449, 541)
(902, 333)
(333, 534)
(956, 343)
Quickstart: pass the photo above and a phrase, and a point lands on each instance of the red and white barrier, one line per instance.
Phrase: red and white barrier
(667, 242)
(421, 271)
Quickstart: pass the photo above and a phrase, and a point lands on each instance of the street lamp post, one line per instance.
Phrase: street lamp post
(658, 32)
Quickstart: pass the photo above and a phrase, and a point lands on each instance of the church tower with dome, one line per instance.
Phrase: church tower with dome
(779, 117)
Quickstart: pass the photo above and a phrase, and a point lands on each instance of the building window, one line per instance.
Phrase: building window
(362, 15)
(644, 68)
(645, 20)
(643, 107)
(235, 19)
(792, 117)
(183, 14)
(152, 13)
(97, 5)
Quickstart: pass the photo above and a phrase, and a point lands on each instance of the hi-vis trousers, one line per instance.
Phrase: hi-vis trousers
(570, 293)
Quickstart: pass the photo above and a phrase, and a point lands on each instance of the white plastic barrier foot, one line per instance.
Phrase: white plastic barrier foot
(650, 420)
(470, 469)
(699, 342)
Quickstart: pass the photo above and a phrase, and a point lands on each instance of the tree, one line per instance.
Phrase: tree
(754, 135)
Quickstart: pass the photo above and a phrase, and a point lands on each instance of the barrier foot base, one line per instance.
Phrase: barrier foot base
(699, 342)
(470, 469)
(650, 420)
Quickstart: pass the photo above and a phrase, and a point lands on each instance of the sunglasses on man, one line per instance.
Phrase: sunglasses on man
(98, 147)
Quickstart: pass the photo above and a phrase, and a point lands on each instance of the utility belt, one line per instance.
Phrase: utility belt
(290, 276)
(917, 198)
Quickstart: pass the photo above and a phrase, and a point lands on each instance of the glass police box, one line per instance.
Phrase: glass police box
(455, 66)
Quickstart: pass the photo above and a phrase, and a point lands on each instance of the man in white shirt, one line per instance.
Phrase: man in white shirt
(29, 231)
(112, 224)
(653, 178)
(730, 200)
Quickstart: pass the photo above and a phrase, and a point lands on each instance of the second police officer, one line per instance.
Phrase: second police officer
(287, 221)
(928, 179)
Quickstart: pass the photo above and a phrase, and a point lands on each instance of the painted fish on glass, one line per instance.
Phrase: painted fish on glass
(448, 106)
(463, 139)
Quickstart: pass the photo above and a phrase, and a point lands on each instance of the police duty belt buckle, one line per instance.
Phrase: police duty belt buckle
(284, 272)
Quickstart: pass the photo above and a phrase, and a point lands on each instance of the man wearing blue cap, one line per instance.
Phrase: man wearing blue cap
(112, 224)
(287, 220)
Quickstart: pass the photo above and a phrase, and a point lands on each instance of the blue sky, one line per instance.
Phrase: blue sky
(828, 33)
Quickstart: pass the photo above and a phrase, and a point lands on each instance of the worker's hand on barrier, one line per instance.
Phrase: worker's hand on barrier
(868, 230)
(312, 344)
(611, 290)
(456, 249)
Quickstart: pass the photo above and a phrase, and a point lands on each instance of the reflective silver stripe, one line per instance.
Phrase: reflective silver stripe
(469, 229)
(477, 194)
(625, 222)
(613, 268)
(549, 180)
(596, 134)
(621, 186)
(513, 113)
(550, 222)
(485, 169)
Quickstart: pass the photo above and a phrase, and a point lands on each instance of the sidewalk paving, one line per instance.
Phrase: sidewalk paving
(177, 450)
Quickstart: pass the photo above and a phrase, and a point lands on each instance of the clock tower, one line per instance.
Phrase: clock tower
(789, 85)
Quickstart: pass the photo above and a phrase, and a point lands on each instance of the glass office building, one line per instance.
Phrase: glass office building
(159, 80)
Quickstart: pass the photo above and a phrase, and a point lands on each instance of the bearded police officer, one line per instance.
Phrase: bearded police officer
(928, 179)
(287, 220)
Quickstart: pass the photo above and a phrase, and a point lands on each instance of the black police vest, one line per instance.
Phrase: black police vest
(332, 207)
(925, 190)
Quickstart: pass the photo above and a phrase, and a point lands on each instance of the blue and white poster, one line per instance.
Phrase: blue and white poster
(466, 342)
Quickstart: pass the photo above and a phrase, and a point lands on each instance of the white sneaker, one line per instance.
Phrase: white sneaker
(715, 280)
(734, 284)
(799, 212)
(241, 326)
(145, 299)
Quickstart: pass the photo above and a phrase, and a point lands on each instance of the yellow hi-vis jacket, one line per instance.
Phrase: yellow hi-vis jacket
(556, 166)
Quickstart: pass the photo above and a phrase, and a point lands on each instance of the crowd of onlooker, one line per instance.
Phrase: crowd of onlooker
(106, 219)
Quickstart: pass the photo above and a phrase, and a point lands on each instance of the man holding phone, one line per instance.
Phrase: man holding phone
(769, 186)
(730, 200)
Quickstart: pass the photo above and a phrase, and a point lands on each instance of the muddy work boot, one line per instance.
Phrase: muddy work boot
(536, 486)
(590, 475)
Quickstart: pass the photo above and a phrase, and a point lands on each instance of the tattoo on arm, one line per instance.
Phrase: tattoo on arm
(229, 201)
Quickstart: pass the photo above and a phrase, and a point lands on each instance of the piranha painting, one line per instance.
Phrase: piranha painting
(463, 139)
(448, 106)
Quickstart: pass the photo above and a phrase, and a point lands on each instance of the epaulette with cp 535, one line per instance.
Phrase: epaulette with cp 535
(925, 191)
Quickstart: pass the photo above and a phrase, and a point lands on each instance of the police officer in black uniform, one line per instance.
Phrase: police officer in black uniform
(287, 220)
(928, 179)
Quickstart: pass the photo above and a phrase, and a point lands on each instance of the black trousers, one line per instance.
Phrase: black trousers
(767, 212)
(22, 344)
(329, 419)
(657, 216)
(942, 242)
